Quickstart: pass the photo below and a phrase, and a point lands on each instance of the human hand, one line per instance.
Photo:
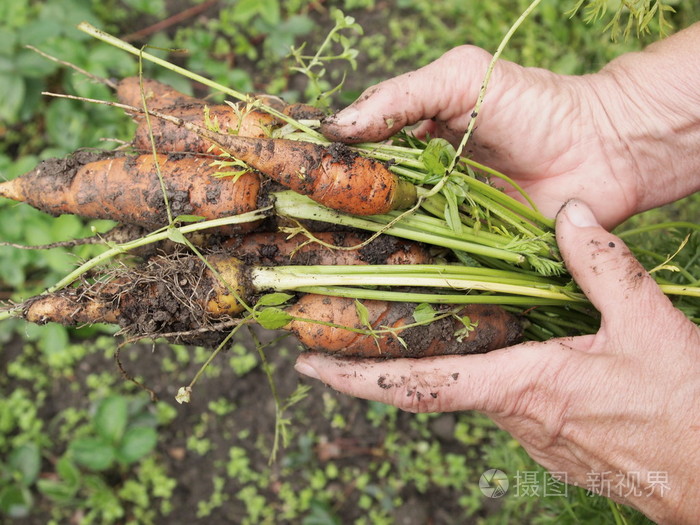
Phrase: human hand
(623, 401)
(623, 140)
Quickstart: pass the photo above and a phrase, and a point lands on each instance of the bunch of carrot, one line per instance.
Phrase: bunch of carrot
(388, 250)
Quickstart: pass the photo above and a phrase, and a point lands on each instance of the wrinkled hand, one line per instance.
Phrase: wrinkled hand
(622, 401)
(622, 140)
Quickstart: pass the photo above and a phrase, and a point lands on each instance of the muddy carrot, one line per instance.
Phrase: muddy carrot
(127, 189)
(334, 176)
(169, 137)
(157, 94)
(279, 249)
(165, 294)
(180, 294)
(492, 328)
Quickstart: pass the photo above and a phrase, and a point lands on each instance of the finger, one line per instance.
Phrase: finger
(443, 89)
(487, 382)
(605, 269)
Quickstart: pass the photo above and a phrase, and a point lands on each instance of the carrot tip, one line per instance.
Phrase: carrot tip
(12, 189)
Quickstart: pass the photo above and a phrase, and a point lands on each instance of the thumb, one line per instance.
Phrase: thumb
(604, 268)
(444, 89)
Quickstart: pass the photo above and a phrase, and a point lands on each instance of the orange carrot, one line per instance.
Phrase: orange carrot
(165, 294)
(334, 176)
(169, 137)
(179, 294)
(277, 249)
(126, 189)
(157, 94)
(493, 328)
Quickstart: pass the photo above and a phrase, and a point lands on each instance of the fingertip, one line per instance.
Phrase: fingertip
(602, 265)
(342, 125)
(305, 368)
(578, 213)
(352, 126)
(376, 115)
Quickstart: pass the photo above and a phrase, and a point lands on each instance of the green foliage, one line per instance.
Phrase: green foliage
(20, 426)
(626, 16)
(342, 35)
(242, 361)
(121, 432)
(17, 473)
(119, 436)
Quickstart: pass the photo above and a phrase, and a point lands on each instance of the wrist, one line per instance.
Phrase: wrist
(650, 116)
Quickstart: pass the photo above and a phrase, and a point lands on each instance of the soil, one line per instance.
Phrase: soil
(359, 444)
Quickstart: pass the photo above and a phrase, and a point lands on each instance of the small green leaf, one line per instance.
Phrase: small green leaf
(111, 417)
(58, 491)
(436, 157)
(14, 90)
(68, 472)
(424, 313)
(452, 217)
(175, 235)
(15, 501)
(273, 318)
(93, 453)
(189, 218)
(26, 459)
(467, 328)
(137, 443)
(273, 299)
(362, 313)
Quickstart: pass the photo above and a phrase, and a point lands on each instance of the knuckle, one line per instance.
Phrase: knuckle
(466, 53)
(421, 391)
(544, 396)
(417, 401)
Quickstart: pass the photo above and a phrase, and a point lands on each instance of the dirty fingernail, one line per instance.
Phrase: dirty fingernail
(345, 118)
(306, 370)
(580, 214)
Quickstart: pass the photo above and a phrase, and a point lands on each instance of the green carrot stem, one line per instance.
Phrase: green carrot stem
(297, 206)
(436, 204)
(558, 321)
(504, 206)
(679, 289)
(489, 199)
(494, 173)
(556, 330)
(434, 298)
(660, 226)
(294, 277)
(438, 270)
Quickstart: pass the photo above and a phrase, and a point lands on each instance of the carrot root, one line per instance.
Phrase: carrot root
(493, 328)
